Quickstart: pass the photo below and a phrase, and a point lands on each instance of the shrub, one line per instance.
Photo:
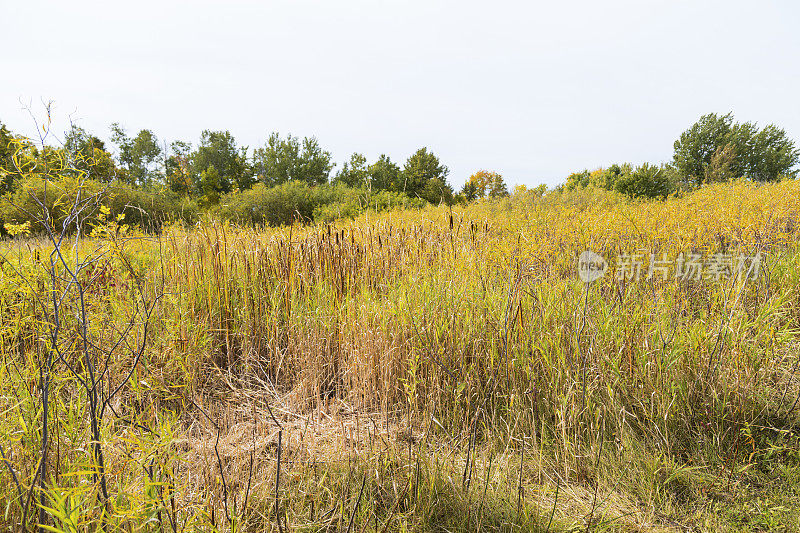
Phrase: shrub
(298, 201)
(350, 206)
(647, 181)
(148, 209)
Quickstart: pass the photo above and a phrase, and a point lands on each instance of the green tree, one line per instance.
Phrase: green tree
(424, 176)
(88, 154)
(437, 191)
(354, 173)
(78, 140)
(497, 188)
(772, 155)
(138, 155)
(281, 160)
(218, 149)
(277, 161)
(647, 181)
(178, 169)
(384, 175)
(578, 180)
(8, 172)
(209, 185)
(608, 178)
(716, 148)
(315, 163)
(470, 191)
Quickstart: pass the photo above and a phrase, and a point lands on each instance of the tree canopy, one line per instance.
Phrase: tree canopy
(211, 174)
(716, 148)
(484, 184)
(354, 173)
(425, 177)
(281, 160)
(218, 150)
(137, 155)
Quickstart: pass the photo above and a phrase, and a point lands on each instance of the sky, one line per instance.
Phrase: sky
(533, 90)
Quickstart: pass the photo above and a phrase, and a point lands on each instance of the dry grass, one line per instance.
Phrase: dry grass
(428, 370)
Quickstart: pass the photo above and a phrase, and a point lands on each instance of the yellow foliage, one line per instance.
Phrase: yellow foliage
(18, 229)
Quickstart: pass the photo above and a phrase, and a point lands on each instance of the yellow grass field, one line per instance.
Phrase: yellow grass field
(430, 370)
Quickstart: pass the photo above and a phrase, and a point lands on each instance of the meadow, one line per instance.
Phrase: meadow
(437, 369)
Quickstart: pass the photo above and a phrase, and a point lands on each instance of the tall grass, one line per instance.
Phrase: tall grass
(431, 369)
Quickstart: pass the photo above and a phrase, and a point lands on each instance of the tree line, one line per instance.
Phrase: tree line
(278, 182)
(714, 149)
(289, 177)
(218, 165)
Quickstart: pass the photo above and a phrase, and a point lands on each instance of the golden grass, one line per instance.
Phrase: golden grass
(404, 349)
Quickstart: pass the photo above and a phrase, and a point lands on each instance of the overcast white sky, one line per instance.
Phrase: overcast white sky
(534, 90)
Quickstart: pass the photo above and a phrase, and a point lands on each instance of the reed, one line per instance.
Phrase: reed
(401, 353)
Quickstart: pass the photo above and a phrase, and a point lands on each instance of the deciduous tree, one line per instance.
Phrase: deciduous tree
(484, 183)
(424, 176)
(178, 169)
(717, 148)
(87, 154)
(218, 149)
(281, 160)
(354, 173)
(384, 174)
(138, 155)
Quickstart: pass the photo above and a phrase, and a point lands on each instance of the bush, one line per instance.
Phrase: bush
(146, 209)
(645, 181)
(150, 209)
(274, 206)
(350, 206)
(299, 201)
